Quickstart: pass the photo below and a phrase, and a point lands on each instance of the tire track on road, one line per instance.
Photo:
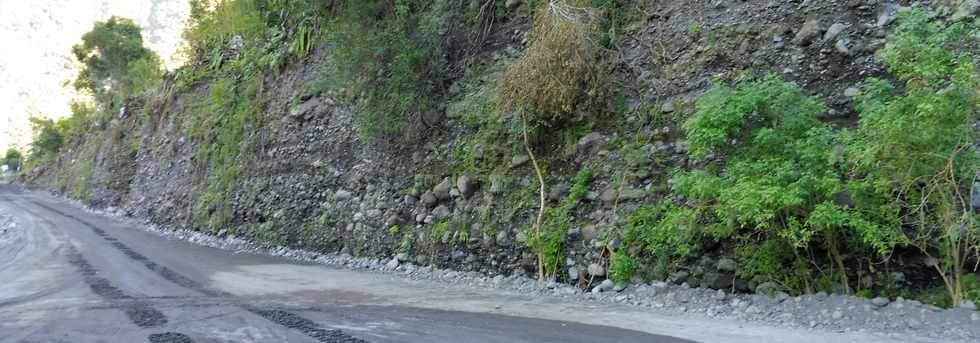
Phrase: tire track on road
(286, 319)
(140, 312)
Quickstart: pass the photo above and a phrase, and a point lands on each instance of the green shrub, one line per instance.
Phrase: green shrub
(971, 287)
(246, 37)
(912, 158)
(772, 261)
(82, 171)
(392, 58)
(48, 139)
(779, 167)
(667, 231)
(212, 24)
(770, 171)
(622, 267)
(491, 139)
(439, 230)
(13, 159)
(940, 295)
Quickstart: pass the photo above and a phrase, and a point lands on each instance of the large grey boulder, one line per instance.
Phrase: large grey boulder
(441, 212)
(726, 265)
(441, 191)
(596, 269)
(880, 301)
(392, 264)
(679, 277)
(342, 195)
(605, 286)
(590, 140)
(768, 288)
(304, 111)
(429, 199)
(718, 280)
(519, 160)
(466, 185)
(888, 14)
(809, 32)
(558, 191)
(833, 31)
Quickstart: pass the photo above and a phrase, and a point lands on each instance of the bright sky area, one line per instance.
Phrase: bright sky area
(36, 60)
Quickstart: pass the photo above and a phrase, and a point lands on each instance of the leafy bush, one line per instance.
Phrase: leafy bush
(940, 295)
(48, 139)
(775, 180)
(622, 267)
(82, 118)
(971, 287)
(913, 156)
(770, 171)
(243, 38)
(392, 56)
(772, 261)
(13, 159)
(668, 232)
(213, 24)
(562, 70)
(779, 162)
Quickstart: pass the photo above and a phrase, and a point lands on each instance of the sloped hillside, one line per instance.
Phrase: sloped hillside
(747, 146)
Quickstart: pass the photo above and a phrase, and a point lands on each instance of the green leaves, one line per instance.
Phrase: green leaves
(770, 172)
(777, 163)
(666, 231)
(115, 65)
(729, 116)
(13, 159)
(550, 245)
(913, 158)
(622, 267)
(48, 139)
(392, 59)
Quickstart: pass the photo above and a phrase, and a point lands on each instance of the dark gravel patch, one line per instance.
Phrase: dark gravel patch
(139, 312)
(170, 337)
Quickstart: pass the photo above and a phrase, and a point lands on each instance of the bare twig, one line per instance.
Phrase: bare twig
(539, 222)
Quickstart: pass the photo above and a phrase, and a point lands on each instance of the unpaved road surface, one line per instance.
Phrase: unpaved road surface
(67, 275)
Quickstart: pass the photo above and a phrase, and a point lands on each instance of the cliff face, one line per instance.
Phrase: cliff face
(38, 36)
(310, 180)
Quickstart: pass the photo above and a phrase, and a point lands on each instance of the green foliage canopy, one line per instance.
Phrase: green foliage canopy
(778, 176)
(13, 159)
(47, 138)
(115, 64)
(391, 55)
(913, 155)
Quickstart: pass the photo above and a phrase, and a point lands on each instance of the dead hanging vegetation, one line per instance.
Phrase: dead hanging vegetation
(562, 71)
(561, 74)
